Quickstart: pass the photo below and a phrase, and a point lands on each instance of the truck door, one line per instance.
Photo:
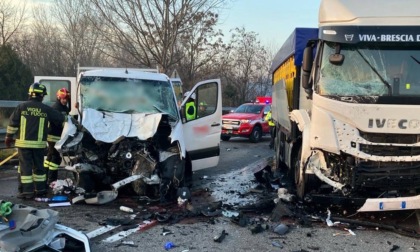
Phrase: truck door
(202, 127)
(53, 84)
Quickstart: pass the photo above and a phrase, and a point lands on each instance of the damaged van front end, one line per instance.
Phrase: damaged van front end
(128, 132)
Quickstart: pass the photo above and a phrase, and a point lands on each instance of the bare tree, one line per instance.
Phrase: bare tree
(12, 17)
(246, 66)
(199, 46)
(149, 30)
(79, 32)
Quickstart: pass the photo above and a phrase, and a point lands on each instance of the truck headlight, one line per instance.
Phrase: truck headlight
(245, 121)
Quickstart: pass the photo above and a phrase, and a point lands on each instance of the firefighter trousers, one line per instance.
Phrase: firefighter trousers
(32, 173)
(52, 163)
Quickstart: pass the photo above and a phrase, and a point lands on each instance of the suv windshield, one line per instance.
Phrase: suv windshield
(126, 95)
(249, 109)
(371, 70)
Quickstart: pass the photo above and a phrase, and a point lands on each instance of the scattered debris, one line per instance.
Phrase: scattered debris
(126, 209)
(276, 244)
(219, 238)
(281, 229)
(34, 228)
(169, 245)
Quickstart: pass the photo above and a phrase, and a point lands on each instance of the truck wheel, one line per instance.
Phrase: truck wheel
(225, 138)
(305, 183)
(256, 134)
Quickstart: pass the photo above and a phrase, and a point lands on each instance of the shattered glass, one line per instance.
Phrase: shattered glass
(371, 70)
(125, 95)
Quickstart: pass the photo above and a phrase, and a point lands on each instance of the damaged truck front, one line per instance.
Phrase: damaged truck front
(349, 117)
(131, 131)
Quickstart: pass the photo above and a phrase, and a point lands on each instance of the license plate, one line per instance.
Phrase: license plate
(227, 127)
(229, 131)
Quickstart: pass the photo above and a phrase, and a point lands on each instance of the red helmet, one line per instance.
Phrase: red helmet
(63, 93)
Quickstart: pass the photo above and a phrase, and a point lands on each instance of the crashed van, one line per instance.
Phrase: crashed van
(130, 131)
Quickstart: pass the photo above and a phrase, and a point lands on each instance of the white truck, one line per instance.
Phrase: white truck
(347, 103)
(132, 131)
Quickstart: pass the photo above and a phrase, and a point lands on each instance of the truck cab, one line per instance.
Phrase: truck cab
(352, 122)
(248, 120)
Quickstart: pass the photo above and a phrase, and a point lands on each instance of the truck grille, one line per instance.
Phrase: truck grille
(388, 175)
(379, 150)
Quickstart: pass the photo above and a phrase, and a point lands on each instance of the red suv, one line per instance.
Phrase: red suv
(246, 121)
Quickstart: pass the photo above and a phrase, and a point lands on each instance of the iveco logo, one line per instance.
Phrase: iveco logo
(394, 123)
(348, 37)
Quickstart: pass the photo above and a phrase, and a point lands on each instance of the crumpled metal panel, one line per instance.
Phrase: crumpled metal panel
(108, 126)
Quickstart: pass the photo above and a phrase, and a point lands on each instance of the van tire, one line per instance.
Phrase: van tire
(225, 138)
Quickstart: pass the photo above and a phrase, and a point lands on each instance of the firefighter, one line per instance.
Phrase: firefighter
(202, 109)
(270, 121)
(29, 121)
(53, 160)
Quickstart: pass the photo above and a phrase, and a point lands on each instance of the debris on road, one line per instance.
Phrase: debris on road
(219, 238)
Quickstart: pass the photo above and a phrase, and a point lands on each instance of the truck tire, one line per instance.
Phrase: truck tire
(256, 134)
(305, 183)
(225, 138)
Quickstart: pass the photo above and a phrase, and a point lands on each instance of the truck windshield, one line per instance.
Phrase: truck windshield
(371, 70)
(126, 95)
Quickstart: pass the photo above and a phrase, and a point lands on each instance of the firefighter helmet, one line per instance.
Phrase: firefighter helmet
(63, 93)
(37, 90)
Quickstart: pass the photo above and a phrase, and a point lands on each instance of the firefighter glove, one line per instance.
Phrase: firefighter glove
(8, 141)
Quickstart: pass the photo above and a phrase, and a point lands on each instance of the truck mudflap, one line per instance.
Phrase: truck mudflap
(391, 204)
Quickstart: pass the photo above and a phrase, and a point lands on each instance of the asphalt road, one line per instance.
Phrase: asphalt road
(227, 182)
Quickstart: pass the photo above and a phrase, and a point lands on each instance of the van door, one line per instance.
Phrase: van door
(53, 84)
(201, 113)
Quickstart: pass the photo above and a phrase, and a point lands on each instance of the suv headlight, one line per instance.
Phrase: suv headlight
(245, 121)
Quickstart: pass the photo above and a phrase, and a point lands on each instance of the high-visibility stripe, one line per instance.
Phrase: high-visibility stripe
(46, 164)
(19, 169)
(23, 129)
(39, 178)
(52, 138)
(41, 129)
(11, 130)
(26, 179)
(30, 144)
(53, 166)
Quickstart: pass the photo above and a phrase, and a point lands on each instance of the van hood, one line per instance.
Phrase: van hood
(109, 126)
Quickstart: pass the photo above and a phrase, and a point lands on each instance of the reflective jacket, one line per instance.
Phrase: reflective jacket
(54, 132)
(269, 119)
(190, 110)
(30, 123)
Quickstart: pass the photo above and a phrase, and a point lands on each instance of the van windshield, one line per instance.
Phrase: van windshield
(126, 95)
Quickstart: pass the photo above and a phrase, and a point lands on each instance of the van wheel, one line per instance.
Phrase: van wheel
(225, 138)
(256, 134)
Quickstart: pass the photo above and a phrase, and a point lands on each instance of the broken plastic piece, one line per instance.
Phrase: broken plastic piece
(281, 229)
(126, 209)
(169, 245)
(220, 237)
(12, 224)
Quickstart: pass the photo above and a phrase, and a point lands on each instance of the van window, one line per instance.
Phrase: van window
(52, 87)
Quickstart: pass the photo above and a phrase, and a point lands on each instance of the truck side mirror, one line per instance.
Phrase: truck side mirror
(306, 67)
